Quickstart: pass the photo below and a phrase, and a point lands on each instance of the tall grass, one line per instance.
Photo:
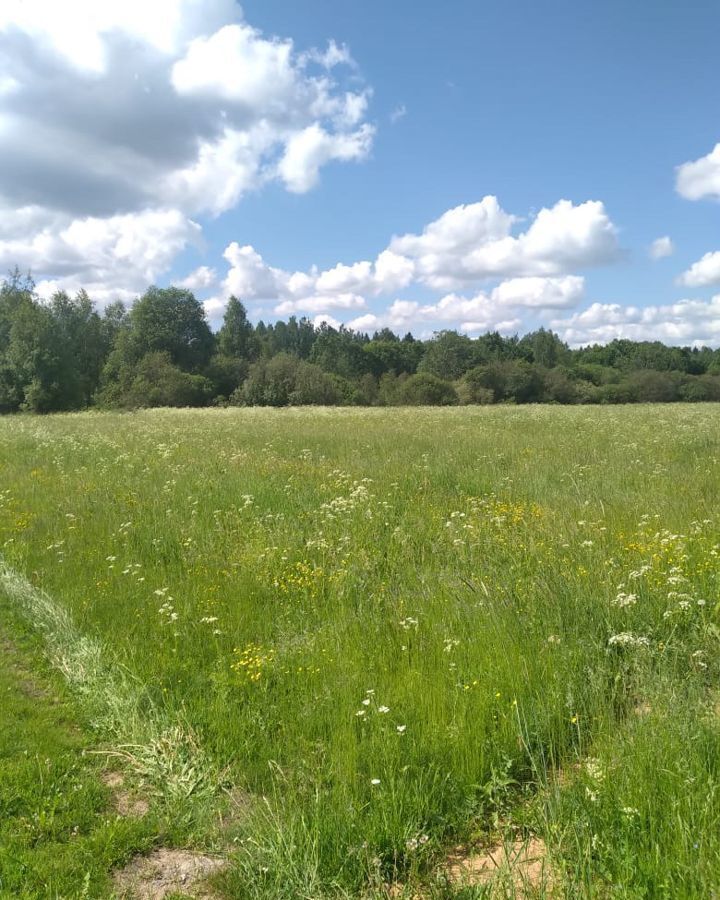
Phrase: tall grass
(406, 628)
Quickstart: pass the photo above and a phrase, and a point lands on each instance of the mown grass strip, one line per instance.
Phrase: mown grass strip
(60, 836)
(164, 753)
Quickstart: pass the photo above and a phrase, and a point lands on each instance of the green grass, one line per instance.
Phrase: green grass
(59, 833)
(405, 628)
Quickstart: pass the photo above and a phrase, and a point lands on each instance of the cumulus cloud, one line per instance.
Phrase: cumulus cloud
(423, 319)
(325, 319)
(465, 247)
(703, 272)
(113, 257)
(174, 108)
(495, 310)
(320, 304)
(199, 279)
(661, 247)
(541, 293)
(701, 177)
(251, 278)
(474, 242)
(310, 149)
(687, 322)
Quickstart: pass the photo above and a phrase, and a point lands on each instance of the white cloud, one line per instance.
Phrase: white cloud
(470, 243)
(398, 113)
(199, 279)
(335, 55)
(249, 277)
(457, 230)
(237, 65)
(214, 309)
(320, 304)
(110, 257)
(451, 253)
(79, 31)
(444, 254)
(541, 293)
(310, 149)
(327, 320)
(700, 178)
(176, 107)
(661, 247)
(424, 319)
(687, 322)
(703, 272)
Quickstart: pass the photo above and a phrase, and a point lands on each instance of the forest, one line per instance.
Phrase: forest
(64, 354)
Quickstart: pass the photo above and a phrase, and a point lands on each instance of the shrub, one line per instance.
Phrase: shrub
(424, 389)
(158, 382)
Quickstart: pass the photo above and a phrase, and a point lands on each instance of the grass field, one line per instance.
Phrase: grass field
(388, 633)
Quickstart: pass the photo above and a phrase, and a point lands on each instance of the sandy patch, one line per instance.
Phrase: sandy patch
(522, 866)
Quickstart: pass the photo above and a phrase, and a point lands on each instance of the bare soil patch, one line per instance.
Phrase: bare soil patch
(126, 802)
(521, 865)
(165, 871)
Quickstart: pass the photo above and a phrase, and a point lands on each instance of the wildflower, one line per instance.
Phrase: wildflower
(628, 639)
(383, 709)
(622, 599)
(400, 729)
(374, 781)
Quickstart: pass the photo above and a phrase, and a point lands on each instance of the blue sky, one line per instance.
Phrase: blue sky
(529, 103)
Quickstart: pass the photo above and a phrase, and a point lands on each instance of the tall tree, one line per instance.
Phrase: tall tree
(236, 338)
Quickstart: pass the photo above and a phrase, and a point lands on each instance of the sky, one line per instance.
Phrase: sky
(473, 165)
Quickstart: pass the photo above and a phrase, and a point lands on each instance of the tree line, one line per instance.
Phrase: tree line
(63, 354)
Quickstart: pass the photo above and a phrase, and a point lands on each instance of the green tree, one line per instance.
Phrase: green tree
(170, 320)
(166, 321)
(545, 348)
(448, 355)
(83, 347)
(236, 338)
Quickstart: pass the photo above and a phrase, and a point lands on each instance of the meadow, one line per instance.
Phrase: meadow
(334, 645)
